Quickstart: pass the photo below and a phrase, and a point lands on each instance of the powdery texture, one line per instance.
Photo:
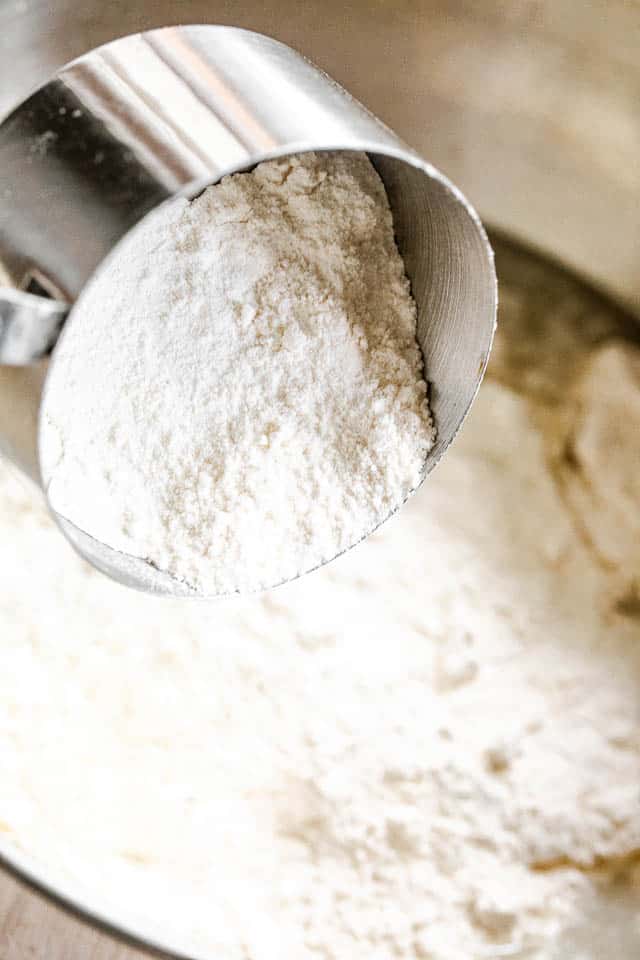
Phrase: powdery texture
(240, 394)
(424, 751)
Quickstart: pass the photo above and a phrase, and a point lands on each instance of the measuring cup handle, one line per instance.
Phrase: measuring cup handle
(29, 326)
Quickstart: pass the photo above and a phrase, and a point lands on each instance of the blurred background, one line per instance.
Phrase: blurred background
(531, 106)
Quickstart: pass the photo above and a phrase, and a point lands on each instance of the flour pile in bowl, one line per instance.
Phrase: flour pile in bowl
(239, 395)
(428, 749)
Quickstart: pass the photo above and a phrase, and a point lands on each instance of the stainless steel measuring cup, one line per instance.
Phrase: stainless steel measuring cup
(131, 124)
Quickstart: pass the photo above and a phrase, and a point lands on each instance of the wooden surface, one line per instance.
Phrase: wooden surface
(33, 929)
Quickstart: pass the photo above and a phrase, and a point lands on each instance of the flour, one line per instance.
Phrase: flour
(240, 395)
(429, 749)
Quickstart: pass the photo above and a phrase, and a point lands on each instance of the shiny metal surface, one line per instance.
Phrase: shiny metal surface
(127, 126)
(531, 107)
(29, 326)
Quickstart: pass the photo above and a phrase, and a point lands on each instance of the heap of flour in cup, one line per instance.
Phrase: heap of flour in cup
(240, 395)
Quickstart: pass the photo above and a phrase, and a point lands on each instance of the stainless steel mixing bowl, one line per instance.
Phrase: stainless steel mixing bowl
(531, 107)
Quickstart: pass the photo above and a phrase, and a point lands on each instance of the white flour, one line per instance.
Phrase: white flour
(421, 752)
(240, 396)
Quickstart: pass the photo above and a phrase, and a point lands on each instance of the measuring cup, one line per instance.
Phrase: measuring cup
(168, 112)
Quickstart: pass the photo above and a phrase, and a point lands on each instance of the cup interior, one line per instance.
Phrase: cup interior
(450, 265)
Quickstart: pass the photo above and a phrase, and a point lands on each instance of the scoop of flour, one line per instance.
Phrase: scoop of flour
(239, 395)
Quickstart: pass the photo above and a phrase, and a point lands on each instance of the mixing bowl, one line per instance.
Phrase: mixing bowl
(532, 108)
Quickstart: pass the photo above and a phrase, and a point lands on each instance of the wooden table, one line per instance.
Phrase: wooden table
(33, 929)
